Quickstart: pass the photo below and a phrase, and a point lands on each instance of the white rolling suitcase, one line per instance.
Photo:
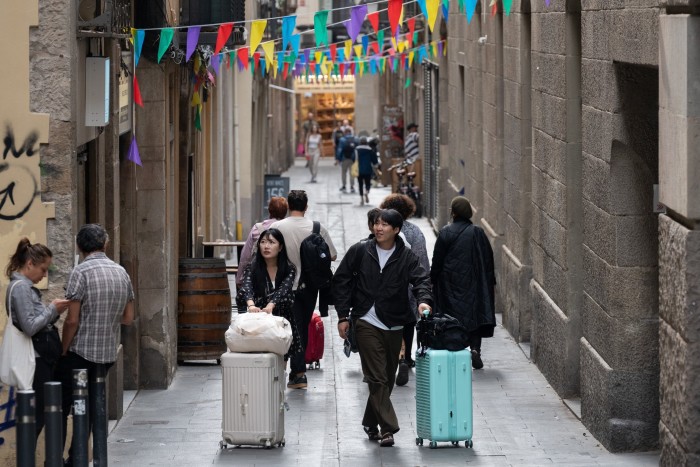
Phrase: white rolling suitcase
(253, 399)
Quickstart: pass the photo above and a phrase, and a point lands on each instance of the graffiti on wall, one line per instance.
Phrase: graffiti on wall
(7, 411)
(18, 185)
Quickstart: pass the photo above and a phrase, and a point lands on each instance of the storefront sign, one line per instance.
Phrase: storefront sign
(325, 85)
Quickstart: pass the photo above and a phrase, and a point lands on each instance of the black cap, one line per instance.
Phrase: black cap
(412, 125)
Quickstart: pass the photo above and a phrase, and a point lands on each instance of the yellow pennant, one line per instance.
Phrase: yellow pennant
(348, 49)
(319, 57)
(269, 48)
(326, 68)
(435, 49)
(402, 46)
(393, 43)
(358, 50)
(444, 49)
(362, 68)
(256, 34)
(133, 34)
(432, 9)
(384, 65)
(274, 69)
(195, 99)
(410, 57)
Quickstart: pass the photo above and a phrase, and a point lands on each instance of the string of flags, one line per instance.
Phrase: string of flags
(350, 57)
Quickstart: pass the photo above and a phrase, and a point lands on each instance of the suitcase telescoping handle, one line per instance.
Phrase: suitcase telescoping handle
(422, 329)
(244, 399)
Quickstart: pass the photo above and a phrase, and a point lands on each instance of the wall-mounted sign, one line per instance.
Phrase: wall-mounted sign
(125, 95)
(96, 91)
(274, 186)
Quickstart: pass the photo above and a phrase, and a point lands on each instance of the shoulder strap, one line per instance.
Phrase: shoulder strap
(317, 227)
(9, 299)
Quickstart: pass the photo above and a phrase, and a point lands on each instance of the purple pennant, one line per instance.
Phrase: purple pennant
(307, 55)
(192, 39)
(546, 2)
(134, 152)
(440, 46)
(215, 63)
(354, 24)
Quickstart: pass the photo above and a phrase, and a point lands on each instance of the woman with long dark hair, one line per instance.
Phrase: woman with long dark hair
(268, 280)
(27, 267)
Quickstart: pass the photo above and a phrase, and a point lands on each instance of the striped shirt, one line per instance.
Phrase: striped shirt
(410, 148)
(103, 289)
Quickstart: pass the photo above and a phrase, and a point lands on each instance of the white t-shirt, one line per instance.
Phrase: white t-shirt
(314, 141)
(295, 230)
(371, 316)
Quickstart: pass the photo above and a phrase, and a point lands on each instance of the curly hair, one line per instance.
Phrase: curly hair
(402, 203)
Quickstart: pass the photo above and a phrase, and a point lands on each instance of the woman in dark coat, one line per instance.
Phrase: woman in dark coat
(267, 283)
(463, 276)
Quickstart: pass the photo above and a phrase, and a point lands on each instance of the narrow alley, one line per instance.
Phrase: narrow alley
(518, 418)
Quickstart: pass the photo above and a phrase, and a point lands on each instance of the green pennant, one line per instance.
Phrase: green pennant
(408, 83)
(507, 5)
(197, 120)
(320, 31)
(166, 37)
(380, 41)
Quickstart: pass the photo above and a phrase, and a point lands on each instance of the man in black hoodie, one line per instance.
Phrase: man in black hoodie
(371, 281)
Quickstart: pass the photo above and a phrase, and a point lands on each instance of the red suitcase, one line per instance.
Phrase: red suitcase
(314, 346)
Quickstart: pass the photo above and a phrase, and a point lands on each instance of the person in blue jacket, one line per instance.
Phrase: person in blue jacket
(366, 161)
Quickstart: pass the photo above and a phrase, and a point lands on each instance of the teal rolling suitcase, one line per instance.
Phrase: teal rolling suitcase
(444, 397)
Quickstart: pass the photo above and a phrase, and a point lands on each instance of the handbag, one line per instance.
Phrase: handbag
(355, 168)
(439, 331)
(259, 332)
(17, 362)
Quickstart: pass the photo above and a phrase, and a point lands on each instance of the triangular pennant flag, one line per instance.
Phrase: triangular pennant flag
(320, 31)
(445, 11)
(274, 69)
(365, 44)
(546, 2)
(263, 66)
(139, 37)
(256, 60)
(373, 19)
(433, 47)
(269, 49)
(295, 41)
(196, 100)
(423, 9)
(354, 24)
(137, 92)
(402, 46)
(257, 29)
(132, 39)
(134, 155)
(307, 55)
(352, 68)
(433, 6)
(243, 58)
(394, 64)
(395, 7)
(411, 22)
(383, 64)
(372, 67)
(341, 55)
(408, 82)
(215, 62)
(341, 67)
(411, 54)
(380, 40)
(394, 45)
(421, 53)
(223, 35)
(348, 49)
(285, 71)
(374, 46)
(507, 4)
(441, 47)
(288, 25)
(280, 60)
(358, 50)
(333, 49)
(460, 4)
(494, 7)
(198, 118)
(471, 7)
(166, 37)
(318, 56)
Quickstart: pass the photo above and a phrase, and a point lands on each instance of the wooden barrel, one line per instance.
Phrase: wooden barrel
(204, 308)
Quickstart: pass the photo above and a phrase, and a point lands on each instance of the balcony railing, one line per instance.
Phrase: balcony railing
(111, 18)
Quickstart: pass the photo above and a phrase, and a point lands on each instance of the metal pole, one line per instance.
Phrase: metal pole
(79, 445)
(99, 428)
(53, 430)
(26, 428)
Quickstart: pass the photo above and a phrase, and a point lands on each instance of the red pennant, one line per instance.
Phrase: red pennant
(285, 70)
(333, 48)
(374, 20)
(228, 61)
(403, 60)
(222, 37)
(137, 92)
(341, 68)
(352, 68)
(411, 28)
(395, 7)
(244, 57)
(494, 8)
(256, 59)
(375, 46)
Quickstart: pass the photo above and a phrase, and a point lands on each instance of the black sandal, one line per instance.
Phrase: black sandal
(387, 440)
(373, 435)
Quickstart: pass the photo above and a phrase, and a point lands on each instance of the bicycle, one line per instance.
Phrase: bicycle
(407, 186)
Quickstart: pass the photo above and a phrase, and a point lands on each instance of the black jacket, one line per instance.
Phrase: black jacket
(386, 289)
(463, 277)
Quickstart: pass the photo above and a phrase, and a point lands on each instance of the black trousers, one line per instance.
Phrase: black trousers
(475, 342)
(304, 304)
(367, 180)
(64, 373)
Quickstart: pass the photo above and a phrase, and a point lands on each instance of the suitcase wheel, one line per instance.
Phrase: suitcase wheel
(455, 443)
(268, 444)
(419, 441)
(433, 444)
(317, 364)
(469, 444)
(222, 445)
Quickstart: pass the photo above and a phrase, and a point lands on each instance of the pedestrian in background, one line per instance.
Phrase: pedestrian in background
(277, 208)
(313, 151)
(375, 294)
(295, 229)
(101, 299)
(463, 276)
(28, 266)
(406, 207)
(366, 160)
(268, 281)
(345, 156)
(411, 149)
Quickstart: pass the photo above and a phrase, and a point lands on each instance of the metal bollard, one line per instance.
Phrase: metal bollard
(79, 446)
(98, 389)
(26, 428)
(53, 429)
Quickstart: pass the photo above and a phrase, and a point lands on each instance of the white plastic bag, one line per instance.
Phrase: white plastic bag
(259, 332)
(16, 355)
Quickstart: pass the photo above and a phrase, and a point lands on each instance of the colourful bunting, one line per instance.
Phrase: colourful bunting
(395, 7)
(257, 29)
(138, 45)
(288, 25)
(380, 39)
(357, 17)
(358, 51)
(320, 30)
(215, 62)
(295, 41)
(471, 7)
(333, 51)
(507, 5)
(433, 6)
(411, 54)
(166, 37)
(348, 49)
(285, 71)
(269, 49)
(365, 44)
(134, 155)
(198, 118)
(408, 83)
(411, 23)
(445, 11)
(423, 8)
(494, 7)
(196, 100)
(243, 59)
(373, 19)
(222, 36)
(137, 92)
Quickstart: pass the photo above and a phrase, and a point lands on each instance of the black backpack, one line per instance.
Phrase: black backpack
(315, 260)
(349, 148)
(441, 332)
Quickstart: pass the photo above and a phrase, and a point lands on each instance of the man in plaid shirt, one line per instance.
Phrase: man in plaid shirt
(101, 297)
